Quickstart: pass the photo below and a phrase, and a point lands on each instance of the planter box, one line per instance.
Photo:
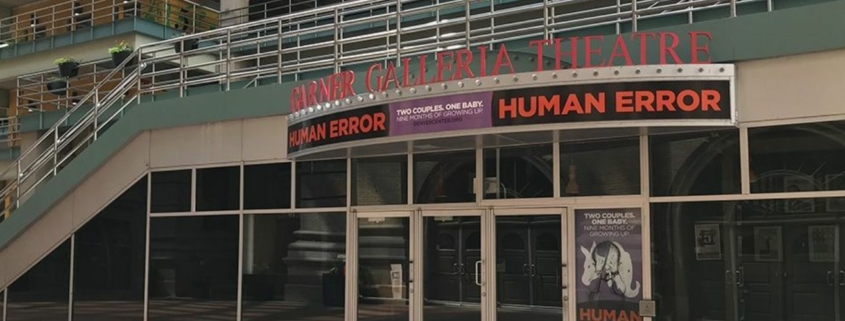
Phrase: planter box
(69, 69)
(57, 87)
(190, 44)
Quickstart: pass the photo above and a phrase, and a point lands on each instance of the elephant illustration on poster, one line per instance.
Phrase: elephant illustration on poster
(609, 262)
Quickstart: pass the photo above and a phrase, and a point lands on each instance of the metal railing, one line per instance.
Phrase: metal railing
(69, 16)
(326, 39)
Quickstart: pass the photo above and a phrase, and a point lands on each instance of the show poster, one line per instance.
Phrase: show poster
(609, 264)
(431, 115)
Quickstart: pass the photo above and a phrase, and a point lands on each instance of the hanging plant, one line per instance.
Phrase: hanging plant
(120, 52)
(57, 86)
(68, 67)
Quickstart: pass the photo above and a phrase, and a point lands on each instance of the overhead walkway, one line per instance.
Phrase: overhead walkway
(274, 54)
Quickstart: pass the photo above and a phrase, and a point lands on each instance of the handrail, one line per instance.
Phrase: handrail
(288, 46)
(70, 16)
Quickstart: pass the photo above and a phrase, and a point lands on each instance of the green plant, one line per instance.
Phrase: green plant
(122, 46)
(65, 60)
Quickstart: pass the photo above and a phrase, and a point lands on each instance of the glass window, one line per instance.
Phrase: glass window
(193, 268)
(294, 266)
(600, 167)
(758, 260)
(218, 189)
(267, 186)
(110, 251)
(380, 181)
(171, 191)
(797, 158)
(695, 163)
(41, 294)
(383, 257)
(518, 172)
(321, 184)
(444, 177)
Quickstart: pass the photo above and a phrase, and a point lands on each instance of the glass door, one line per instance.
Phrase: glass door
(530, 255)
(384, 255)
(454, 265)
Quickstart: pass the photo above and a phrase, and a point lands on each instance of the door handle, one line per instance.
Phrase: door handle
(829, 278)
(841, 278)
(740, 277)
(533, 269)
(526, 270)
(455, 269)
(477, 273)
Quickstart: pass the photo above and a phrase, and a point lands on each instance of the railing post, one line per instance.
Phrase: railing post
(634, 15)
(55, 152)
(467, 24)
(228, 59)
(279, 48)
(733, 8)
(18, 180)
(399, 33)
(194, 19)
(337, 53)
(182, 69)
(546, 19)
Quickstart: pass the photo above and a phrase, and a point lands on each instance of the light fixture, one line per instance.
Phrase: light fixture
(3, 45)
(572, 185)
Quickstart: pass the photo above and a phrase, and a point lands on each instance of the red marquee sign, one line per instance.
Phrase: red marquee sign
(456, 64)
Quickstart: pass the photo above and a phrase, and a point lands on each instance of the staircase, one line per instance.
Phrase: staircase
(308, 44)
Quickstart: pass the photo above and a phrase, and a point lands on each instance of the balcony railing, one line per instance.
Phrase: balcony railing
(70, 16)
(326, 40)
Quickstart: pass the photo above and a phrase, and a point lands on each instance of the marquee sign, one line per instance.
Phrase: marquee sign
(643, 102)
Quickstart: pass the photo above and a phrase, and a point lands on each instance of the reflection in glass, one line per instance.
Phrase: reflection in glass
(797, 158)
(695, 163)
(452, 247)
(321, 184)
(383, 256)
(41, 294)
(522, 172)
(193, 268)
(600, 167)
(109, 260)
(444, 177)
(755, 260)
(528, 264)
(380, 180)
(218, 189)
(171, 191)
(267, 186)
(294, 267)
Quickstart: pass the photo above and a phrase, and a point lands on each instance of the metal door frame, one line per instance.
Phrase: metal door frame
(486, 241)
(563, 212)
(352, 259)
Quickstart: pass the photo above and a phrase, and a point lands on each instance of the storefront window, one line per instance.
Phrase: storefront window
(218, 189)
(193, 268)
(294, 266)
(109, 260)
(383, 259)
(267, 186)
(171, 191)
(518, 172)
(42, 292)
(380, 180)
(748, 260)
(701, 163)
(797, 158)
(321, 184)
(444, 177)
(600, 167)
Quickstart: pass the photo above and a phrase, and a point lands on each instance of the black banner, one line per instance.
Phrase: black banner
(357, 124)
(625, 101)
(652, 100)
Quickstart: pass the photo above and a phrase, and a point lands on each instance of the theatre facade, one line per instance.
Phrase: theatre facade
(594, 178)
